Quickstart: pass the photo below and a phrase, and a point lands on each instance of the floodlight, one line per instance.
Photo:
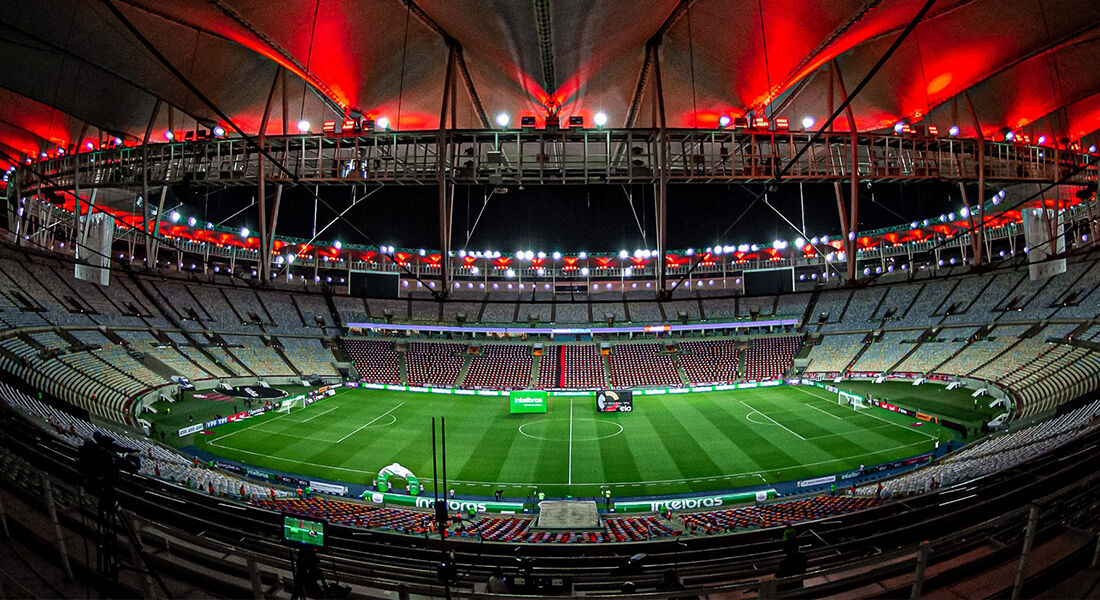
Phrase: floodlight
(219, 131)
(168, 135)
(600, 119)
(382, 123)
(808, 122)
(303, 126)
(953, 131)
(175, 216)
(723, 121)
(244, 232)
(502, 119)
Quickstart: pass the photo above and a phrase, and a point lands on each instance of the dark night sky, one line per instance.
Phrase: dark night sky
(574, 218)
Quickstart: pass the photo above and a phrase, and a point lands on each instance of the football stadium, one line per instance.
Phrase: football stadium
(549, 298)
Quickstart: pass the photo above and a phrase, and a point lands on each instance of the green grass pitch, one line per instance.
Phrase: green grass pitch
(668, 444)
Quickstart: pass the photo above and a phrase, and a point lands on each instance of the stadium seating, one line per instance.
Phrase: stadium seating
(500, 366)
(434, 363)
(709, 361)
(775, 514)
(885, 352)
(309, 356)
(770, 357)
(642, 365)
(353, 514)
(834, 353)
(582, 367)
(994, 454)
(375, 361)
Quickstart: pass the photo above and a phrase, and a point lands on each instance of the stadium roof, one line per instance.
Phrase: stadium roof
(70, 69)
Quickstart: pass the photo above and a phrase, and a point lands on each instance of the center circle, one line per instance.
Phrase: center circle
(557, 430)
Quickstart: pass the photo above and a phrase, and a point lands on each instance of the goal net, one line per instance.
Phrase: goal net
(292, 403)
(850, 400)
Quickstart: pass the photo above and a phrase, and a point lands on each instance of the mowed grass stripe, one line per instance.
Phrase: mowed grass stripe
(691, 459)
(828, 440)
(617, 458)
(670, 444)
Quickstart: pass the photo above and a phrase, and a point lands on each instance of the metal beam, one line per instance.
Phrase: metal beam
(979, 234)
(643, 74)
(661, 197)
(145, 180)
(544, 34)
(261, 188)
(853, 178)
(471, 89)
(442, 149)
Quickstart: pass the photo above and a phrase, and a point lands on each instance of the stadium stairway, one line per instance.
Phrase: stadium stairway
(924, 337)
(157, 366)
(680, 370)
(333, 312)
(277, 346)
(867, 341)
(536, 364)
(466, 360)
(402, 369)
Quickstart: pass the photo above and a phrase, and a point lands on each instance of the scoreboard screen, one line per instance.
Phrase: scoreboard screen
(614, 401)
(302, 531)
(527, 401)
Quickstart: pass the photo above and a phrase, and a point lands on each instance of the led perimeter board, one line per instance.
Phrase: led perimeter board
(303, 531)
(614, 401)
(527, 401)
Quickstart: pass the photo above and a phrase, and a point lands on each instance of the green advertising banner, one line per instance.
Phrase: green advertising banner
(528, 401)
(694, 503)
(453, 504)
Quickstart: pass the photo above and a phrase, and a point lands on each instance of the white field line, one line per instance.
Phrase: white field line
(771, 419)
(358, 429)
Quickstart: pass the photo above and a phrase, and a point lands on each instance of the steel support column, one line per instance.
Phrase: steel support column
(149, 248)
(853, 177)
(978, 234)
(441, 151)
(661, 197)
(264, 267)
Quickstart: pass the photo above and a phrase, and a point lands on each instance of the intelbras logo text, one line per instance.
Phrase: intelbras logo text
(457, 505)
(685, 503)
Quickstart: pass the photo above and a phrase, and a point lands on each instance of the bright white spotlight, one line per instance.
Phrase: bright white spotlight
(175, 216)
(600, 119)
(244, 232)
(1010, 135)
(168, 135)
(1092, 149)
(808, 122)
(724, 120)
(556, 255)
(382, 123)
(623, 254)
(219, 131)
(303, 126)
(1042, 140)
(502, 119)
(953, 131)
(899, 126)
(337, 244)
(192, 221)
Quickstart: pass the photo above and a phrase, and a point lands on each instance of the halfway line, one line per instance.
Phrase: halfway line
(369, 422)
(570, 480)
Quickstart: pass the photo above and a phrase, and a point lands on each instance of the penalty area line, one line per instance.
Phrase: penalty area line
(358, 429)
(771, 419)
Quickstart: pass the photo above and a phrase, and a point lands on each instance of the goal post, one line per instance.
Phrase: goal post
(291, 403)
(854, 401)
